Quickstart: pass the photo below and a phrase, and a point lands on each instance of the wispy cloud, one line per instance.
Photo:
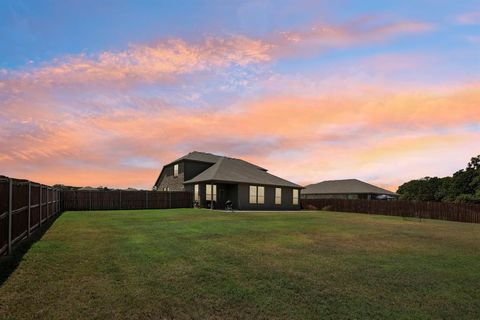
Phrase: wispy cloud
(473, 39)
(469, 18)
(365, 30)
(161, 62)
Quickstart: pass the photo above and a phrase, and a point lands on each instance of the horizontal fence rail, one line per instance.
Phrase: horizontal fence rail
(24, 207)
(125, 200)
(461, 212)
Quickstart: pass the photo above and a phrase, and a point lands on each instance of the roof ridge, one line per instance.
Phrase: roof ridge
(218, 163)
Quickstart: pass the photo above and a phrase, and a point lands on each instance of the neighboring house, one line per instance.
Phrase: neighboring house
(213, 178)
(346, 189)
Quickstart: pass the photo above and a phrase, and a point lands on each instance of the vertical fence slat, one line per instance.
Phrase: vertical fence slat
(29, 207)
(41, 205)
(10, 199)
(48, 204)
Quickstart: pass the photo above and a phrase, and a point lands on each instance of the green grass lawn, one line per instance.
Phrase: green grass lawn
(200, 264)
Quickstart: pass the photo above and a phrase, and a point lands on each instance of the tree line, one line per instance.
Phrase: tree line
(462, 186)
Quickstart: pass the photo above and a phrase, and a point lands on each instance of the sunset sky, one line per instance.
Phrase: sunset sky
(106, 92)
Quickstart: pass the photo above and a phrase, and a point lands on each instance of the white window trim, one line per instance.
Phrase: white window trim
(254, 197)
(295, 196)
(211, 195)
(175, 170)
(260, 198)
(278, 196)
(196, 192)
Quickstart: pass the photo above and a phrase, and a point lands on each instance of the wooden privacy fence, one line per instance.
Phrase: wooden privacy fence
(24, 206)
(124, 200)
(461, 212)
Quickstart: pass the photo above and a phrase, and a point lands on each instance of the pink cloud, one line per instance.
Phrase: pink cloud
(161, 61)
(469, 18)
(355, 32)
(303, 139)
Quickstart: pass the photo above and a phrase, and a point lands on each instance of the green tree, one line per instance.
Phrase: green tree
(462, 186)
(426, 189)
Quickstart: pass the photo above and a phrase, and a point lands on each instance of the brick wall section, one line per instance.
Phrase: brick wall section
(171, 182)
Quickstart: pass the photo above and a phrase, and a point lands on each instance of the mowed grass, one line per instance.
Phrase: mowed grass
(199, 264)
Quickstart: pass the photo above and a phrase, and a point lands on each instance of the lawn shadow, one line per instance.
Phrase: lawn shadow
(9, 263)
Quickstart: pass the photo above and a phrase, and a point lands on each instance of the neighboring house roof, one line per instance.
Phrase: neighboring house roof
(348, 186)
(88, 189)
(239, 171)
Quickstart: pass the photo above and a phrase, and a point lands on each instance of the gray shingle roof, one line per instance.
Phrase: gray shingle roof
(348, 186)
(205, 157)
(239, 171)
(198, 156)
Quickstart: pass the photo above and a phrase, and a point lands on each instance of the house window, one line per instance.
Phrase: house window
(295, 196)
(261, 195)
(175, 170)
(257, 195)
(278, 195)
(211, 192)
(196, 193)
(253, 194)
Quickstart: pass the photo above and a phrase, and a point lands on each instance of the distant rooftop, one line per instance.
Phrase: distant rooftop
(347, 186)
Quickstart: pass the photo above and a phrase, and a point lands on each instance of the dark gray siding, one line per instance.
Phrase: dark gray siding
(232, 195)
(194, 168)
(227, 192)
(287, 199)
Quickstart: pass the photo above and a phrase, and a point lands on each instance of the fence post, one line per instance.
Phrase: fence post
(170, 199)
(120, 201)
(90, 200)
(10, 199)
(29, 205)
(40, 203)
(146, 199)
(48, 204)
